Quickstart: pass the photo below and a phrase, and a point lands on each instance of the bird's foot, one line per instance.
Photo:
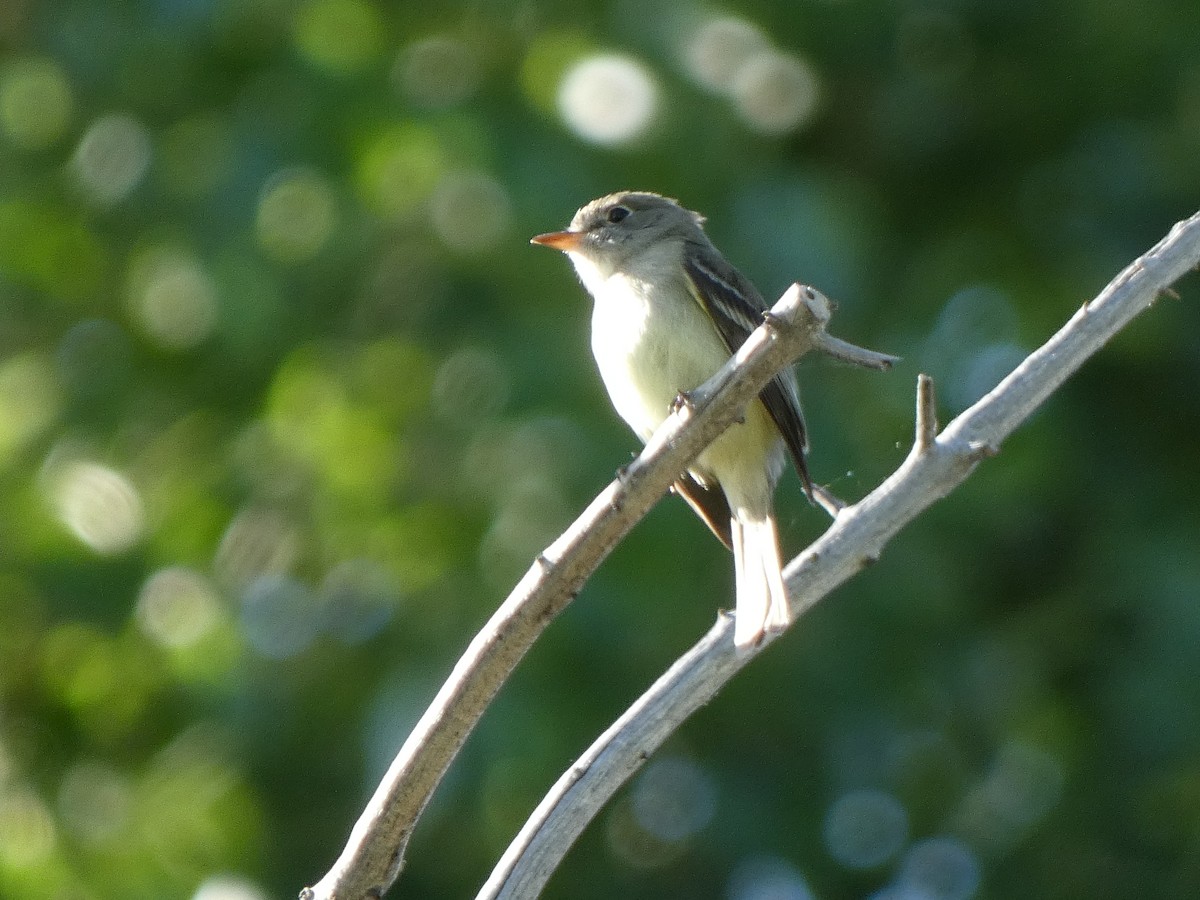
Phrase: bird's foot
(682, 403)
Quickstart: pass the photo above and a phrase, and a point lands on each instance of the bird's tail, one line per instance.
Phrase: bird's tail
(762, 603)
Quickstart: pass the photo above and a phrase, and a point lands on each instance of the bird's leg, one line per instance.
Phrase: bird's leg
(681, 404)
(622, 473)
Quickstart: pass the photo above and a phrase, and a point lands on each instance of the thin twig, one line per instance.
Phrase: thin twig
(839, 349)
(936, 464)
(927, 423)
(374, 854)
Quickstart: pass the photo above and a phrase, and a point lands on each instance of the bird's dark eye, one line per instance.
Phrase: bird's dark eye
(618, 214)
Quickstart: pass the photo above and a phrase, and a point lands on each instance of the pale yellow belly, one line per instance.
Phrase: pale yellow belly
(649, 348)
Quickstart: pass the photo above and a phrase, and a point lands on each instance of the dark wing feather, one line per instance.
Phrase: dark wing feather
(736, 307)
(709, 504)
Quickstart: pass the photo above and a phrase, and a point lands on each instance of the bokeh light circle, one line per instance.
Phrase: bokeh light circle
(340, 36)
(297, 212)
(470, 211)
(177, 606)
(941, 868)
(280, 616)
(99, 505)
(173, 297)
(27, 830)
(229, 887)
(608, 99)
(776, 93)
(719, 48)
(865, 828)
(112, 158)
(674, 798)
(437, 72)
(470, 387)
(767, 878)
(94, 802)
(35, 102)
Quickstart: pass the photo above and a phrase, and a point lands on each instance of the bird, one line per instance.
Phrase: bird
(668, 312)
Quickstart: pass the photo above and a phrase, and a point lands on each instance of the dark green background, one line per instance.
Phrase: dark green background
(245, 536)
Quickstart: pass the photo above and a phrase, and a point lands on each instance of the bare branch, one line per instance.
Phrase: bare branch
(374, 854)
(927, 423)
(868, 359)
(936, 465)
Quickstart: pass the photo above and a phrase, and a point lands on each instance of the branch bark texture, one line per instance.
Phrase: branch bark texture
(937, 463)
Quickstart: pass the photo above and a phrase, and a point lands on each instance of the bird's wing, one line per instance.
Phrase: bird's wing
(709, 504)
(736, 307)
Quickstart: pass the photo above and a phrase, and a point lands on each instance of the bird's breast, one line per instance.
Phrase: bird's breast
(651, 340)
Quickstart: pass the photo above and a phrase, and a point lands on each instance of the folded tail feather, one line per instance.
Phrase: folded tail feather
(762, 603)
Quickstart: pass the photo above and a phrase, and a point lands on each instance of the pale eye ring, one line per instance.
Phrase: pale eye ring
(618, 214)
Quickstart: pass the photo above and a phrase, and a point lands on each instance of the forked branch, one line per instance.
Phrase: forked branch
(936, 464)
(374, 854)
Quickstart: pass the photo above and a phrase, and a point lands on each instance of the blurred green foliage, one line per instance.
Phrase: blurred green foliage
(287, 403)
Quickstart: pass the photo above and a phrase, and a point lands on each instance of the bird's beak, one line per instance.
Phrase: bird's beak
(559, 240)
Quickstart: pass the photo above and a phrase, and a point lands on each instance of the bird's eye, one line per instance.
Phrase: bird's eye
(618, 214)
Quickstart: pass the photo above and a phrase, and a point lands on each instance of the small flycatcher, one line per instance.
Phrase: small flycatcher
(669, 311)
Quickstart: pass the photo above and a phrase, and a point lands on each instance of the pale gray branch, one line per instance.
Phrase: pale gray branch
(374, 854)
(936, 464)
(927, 422)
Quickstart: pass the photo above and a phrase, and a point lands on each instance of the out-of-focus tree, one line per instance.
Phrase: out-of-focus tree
(287, 402)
